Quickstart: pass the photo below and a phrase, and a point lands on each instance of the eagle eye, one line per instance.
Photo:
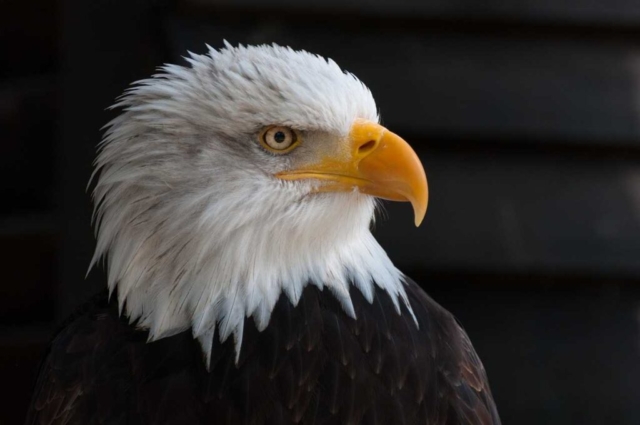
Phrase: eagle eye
(279, 139)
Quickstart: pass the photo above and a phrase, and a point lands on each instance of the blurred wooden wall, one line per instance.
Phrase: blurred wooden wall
(525, 113)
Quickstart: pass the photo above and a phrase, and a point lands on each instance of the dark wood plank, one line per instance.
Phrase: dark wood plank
(27, 134)
(106, 46)
(523, 212)
(578, 90)
(27, 261)
(28, 37)
(556, 352)
(614, 12)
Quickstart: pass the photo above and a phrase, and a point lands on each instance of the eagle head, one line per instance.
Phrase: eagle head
(250, 173)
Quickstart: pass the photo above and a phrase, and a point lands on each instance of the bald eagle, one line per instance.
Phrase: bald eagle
(233, 203)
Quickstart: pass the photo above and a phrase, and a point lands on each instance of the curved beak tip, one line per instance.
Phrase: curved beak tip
(420, 207)
(419, 217)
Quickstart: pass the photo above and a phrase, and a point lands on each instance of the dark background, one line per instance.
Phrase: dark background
(526, 115)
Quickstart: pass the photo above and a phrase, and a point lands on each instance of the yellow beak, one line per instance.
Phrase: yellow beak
(376, 162)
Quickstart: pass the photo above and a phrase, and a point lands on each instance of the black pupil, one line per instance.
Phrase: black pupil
(279, 137)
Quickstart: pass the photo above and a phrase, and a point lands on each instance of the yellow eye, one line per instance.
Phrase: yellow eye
(279, 139)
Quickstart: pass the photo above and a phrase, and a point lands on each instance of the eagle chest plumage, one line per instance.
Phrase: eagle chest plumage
(313, 364)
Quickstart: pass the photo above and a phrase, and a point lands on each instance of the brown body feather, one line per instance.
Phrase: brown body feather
(312, 365)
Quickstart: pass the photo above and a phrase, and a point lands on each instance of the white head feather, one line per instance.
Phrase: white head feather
(196, 229)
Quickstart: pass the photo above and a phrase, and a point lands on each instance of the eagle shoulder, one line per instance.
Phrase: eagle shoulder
(464, 397)
(83, 372)
(100, 370)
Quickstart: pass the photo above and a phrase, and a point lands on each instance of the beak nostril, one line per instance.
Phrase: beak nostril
(367, 147)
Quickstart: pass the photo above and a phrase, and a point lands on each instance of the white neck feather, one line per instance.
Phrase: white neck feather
(210, 267)
(196, 230)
